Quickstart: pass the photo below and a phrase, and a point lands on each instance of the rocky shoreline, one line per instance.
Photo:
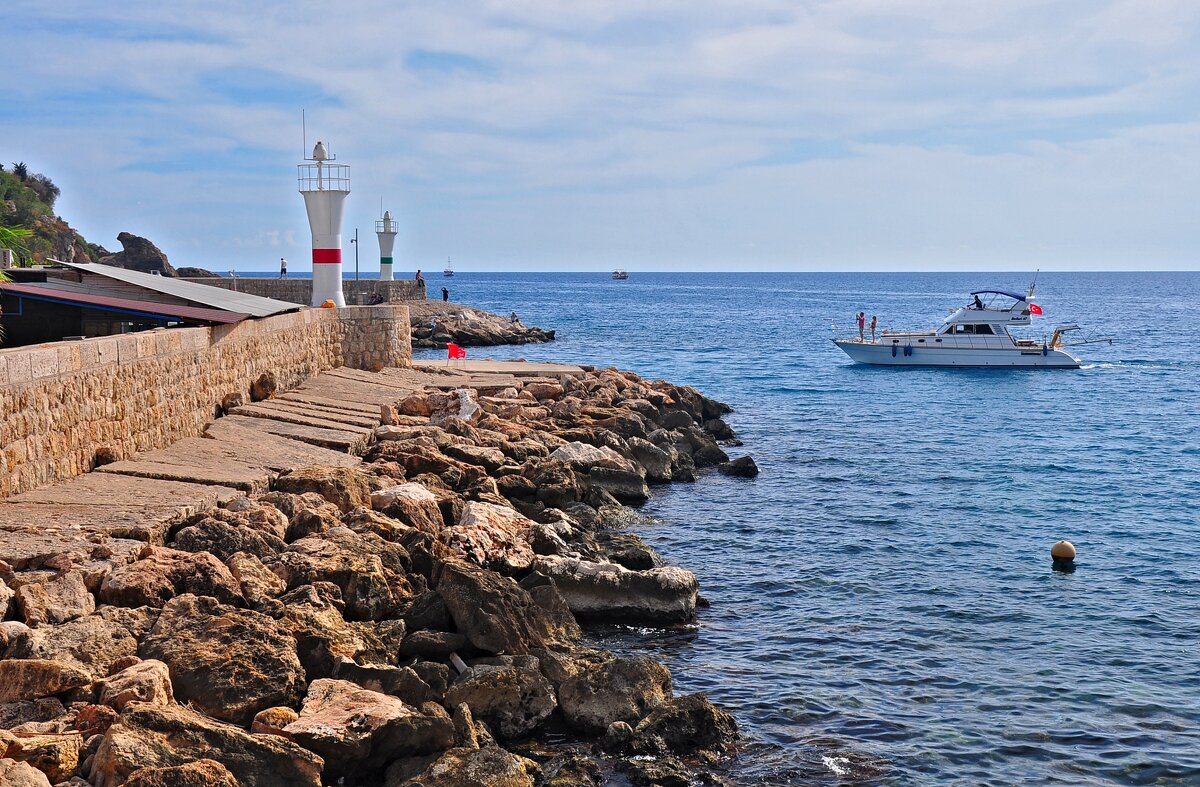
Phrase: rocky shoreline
(412, 620)
(437, 323)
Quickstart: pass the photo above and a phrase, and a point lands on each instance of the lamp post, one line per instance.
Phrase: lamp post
(354, 240)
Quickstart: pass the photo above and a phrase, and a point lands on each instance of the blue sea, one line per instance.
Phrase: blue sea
(884, 609)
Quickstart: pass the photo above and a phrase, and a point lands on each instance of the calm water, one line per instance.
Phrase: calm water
(884, 611)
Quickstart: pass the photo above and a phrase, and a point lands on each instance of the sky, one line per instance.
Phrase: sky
(585, 135)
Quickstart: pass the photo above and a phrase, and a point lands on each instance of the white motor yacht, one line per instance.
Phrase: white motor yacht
(973, 335)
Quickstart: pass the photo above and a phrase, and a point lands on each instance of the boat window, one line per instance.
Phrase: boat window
(984, 330)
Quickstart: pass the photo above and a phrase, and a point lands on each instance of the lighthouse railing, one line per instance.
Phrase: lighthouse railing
(323, 176)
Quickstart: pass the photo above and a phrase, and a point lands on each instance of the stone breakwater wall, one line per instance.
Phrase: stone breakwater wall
(358, 292)
(60, 402)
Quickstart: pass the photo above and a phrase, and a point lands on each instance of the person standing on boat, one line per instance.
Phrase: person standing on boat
(862, 322)
(445, 295)
(874, 323)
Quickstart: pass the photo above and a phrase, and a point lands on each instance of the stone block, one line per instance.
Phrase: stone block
(43, 362)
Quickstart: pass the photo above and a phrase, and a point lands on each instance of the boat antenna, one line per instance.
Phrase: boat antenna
(304, 136)
(1033, 283)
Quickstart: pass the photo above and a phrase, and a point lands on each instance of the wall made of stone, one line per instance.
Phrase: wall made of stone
(358, 292)
(61, 401)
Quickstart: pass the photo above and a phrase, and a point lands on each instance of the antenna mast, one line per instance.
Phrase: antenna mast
(1033, 283)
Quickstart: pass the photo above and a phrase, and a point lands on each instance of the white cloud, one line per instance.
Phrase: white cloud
(674, 133)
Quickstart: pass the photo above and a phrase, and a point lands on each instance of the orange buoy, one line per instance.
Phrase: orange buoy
(1063, 551)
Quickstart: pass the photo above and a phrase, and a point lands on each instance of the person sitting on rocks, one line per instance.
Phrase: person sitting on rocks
(514, 319)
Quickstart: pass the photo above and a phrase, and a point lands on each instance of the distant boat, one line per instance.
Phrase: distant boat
(449, 270)
(620, 275)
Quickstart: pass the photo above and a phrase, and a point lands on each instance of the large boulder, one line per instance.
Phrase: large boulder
(201, 773)
(139, 254)
(499, 616)
(685, 725)
(154, 736)
(491, 536)
(628, 486)
(583, 457)
(369, 571)
(611, 592)
(225, 539)
(229, 663)
(147, 681)
(490, 766)
(313, 615)
(345, 487)
(411, 503)
(55, 754)
(160, 574)
(59, 600)
(6, 597)
(624, 689)
(654, 460)
(358, 731)
(513, 700)
(258, 583)
(94, 642)
(21, 774)
(31, 679)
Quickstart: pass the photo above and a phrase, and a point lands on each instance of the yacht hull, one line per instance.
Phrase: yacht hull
(880, 354)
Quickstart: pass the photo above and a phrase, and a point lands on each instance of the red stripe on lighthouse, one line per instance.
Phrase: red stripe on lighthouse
(327, 255)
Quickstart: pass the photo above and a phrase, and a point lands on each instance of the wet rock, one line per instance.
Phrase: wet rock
(56, 756)
(345, 487)
(411, 503)
(31, 679)
(705, 451)
(626, 486)
(512, 700)
(147, 681)
(664, 772)
(676, 419)
(152, 736)
(629, 551)
(161, 574)
(225, 540)
(201, 773)
(60, 600)
(498, 616)
(653, 459)
(491, 536)
(623, 689)
(272, 721)
(742, 467)
(490, 766)
(684, 726)
(358, 731)
(607, 591)
(229, 663)
(21, 774)
(257, 582)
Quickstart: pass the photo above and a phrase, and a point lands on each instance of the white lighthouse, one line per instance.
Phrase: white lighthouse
(385, 229)
(325, 186)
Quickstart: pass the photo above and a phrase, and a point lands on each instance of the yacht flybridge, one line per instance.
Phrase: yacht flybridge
(973, 335)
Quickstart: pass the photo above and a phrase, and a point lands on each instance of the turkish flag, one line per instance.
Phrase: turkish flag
(1035, 309)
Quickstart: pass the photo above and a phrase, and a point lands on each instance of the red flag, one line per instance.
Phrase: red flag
(1035, 309)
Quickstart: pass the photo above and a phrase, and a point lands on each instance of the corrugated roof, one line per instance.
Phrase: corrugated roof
(214, 297)
(125, 305)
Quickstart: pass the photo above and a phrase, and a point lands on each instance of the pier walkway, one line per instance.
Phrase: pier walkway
(328, 420)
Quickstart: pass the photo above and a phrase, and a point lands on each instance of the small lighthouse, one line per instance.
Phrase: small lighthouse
(325, 186)
(385, 228)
